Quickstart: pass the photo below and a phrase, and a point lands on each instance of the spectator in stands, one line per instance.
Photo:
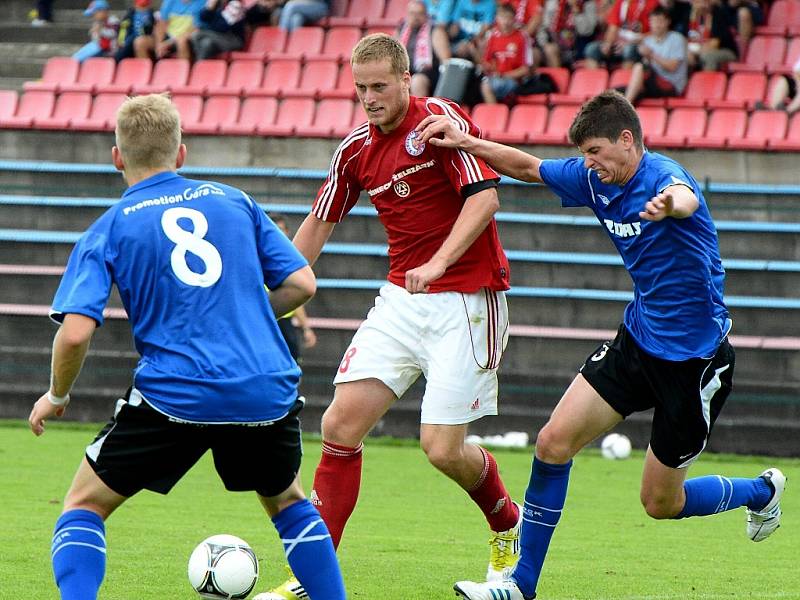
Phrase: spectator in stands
(263, 12)
(42, 14)
(103, 33)
(221, 28)
(415, 34)
(468, 23)
(711, 41)
(136, 31)
(297, 13)
(680, 11)
(567, 27)
(786, 92)
(527, 15)
(175, 22)
(746, 14)
(508, 58)
(626, 25)
(663, 70)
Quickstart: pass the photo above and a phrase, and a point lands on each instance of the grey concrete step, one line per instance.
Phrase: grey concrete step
(13, 83)
(60, 33)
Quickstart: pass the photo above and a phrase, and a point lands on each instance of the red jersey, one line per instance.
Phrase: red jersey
(525, 10)
(631, 14)
(508, 51)
(416, 189)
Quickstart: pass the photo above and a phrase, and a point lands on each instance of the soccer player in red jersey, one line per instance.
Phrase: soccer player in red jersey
(442, 312)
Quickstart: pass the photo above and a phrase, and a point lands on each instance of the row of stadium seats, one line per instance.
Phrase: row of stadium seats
(335, 117)
(783, 19)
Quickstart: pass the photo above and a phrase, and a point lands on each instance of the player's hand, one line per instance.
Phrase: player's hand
(43, 410)
(439, 130)
(658, 207)
(418, 280)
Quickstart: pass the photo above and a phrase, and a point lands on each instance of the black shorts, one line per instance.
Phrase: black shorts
(687, 395)
(141, 448)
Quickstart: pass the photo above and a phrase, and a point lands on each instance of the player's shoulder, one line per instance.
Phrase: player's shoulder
(438, 106)
(353, 142)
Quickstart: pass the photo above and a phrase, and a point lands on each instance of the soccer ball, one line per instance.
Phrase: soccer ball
(223, 566)
(615, 446)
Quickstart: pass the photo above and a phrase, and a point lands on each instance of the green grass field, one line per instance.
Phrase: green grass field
(412, 535)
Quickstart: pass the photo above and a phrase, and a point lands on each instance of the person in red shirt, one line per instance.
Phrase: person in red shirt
(442, 313)
(627, 22)
(508, 58)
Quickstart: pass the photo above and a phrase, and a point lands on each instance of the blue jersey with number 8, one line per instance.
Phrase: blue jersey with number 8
(190, 260)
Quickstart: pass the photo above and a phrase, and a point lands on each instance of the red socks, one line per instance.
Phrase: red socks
(491, 496)
(337, 481)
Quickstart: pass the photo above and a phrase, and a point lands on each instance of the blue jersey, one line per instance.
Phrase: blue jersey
(190, 260)
(677, 312)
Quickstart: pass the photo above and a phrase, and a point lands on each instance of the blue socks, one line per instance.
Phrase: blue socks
(79, 554)
(714, 494)
(544, 500)
(309, 550)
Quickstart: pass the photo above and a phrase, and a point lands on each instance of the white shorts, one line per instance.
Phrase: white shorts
(455, 340)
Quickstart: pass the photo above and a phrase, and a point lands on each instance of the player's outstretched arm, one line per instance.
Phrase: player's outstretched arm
(297, 289)
(676, 201)
(439, 130)
(311, 237)
(70, 346)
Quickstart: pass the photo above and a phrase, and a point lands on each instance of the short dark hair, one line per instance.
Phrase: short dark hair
(660, 10)
(606, 116)
(507, 8)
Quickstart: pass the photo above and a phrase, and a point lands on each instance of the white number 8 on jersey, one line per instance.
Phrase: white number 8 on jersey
(191, 241)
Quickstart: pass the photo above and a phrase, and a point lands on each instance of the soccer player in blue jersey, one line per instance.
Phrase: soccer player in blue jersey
(190, 260)
(671, 353)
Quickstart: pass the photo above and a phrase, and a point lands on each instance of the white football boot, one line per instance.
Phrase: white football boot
(761, 523)
(490, 590)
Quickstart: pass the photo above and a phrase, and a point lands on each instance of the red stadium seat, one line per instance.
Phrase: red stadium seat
(264, 42)
(329, 119)
(103, 115)
(280, 74)
(217, 111)
(69, 105)
(303, 42)
(254, 112)
(344, 85)
(783, 18)
(395, 11)
(619, 78)
(190, 108)
(560, 77)
(292, 113)
(8, 103)
(744, 90)
(130, 72)
(723, 124)
(339, 8)
(33, 104)
(490, 118)
(206, 74)
(763, 127)
(702, 87)
(654, 121)
(761, 50)
(94, 72)
(792, 56)
(381, 29)
(339, 44)
(525, 122)
(558, 125)
(792, 140)
(243, 77)
(681, 124)
(57, 71)
(584, 84)
(359, 117)
(360, 13)
(316, 76)
(169, 74)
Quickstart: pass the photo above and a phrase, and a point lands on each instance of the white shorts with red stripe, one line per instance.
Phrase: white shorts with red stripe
(455, 340)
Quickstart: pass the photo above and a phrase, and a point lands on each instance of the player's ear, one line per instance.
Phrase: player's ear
(181, 158)
(116, 158)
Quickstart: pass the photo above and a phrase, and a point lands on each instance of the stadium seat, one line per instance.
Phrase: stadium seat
(792, 56)
(490, 118)
(292, 113)
(169, 74)
(57, 71)
(619, 78)
(205, 74)
(558, 125)
(525, 121)
(560, 77)
(359, 117)
(94, 72)
(360, 13)
(329, 119)
(190, 108)
(280, 74)
(702, 87)
(395, 11)
(103, 114)
(344, 85)
(315, 77)
(254, 112)
(762, 127)
(723, 124)
(8, 103)
(583, 84)
(32, 104)
(130, 72)
(218, 110)
(682, 123)
(339, 44)
(743, 91)
(381, 29)
(263, 43)
(654, 121)
(783, 19)
(243, 77)
(303, 42)
(761, 50)
(792, 140)
(69, 105)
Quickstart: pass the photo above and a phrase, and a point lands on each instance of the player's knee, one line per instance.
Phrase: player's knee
(659, 507)
(339, 429)
(443, 458)
(551, 447)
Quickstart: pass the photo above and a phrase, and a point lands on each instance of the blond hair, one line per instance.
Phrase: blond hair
(380, 46)
(148, 132)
